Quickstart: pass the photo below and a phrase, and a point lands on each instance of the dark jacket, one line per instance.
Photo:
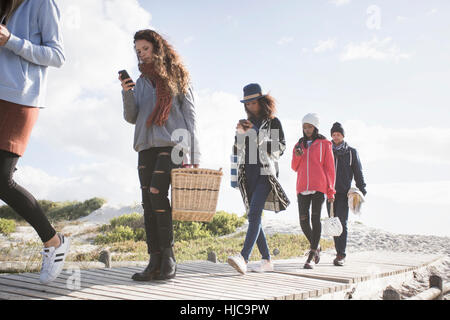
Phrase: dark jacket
(348, 166)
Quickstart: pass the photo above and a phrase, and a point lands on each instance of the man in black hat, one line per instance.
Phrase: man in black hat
(348, 166)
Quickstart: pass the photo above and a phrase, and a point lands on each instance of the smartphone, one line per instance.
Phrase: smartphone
(299, 149)
(124, 75)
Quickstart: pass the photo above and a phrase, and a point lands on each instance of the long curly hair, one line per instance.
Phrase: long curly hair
(267, 105)
(167, 62)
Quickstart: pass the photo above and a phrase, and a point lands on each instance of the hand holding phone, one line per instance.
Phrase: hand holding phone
(127, 83)
(298, 151)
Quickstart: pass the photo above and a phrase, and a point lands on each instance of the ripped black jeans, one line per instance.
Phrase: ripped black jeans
(310, 223)
(155, 166)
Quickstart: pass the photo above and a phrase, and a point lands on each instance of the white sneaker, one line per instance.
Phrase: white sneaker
(238, 262)
(53, 260)
(263, 266)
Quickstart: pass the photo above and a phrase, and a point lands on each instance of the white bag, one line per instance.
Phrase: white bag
(355, 200)
(332, 227)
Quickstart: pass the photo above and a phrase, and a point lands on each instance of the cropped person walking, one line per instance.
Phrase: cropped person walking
(30, 42)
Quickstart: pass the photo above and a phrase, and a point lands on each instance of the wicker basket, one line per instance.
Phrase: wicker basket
(195, 193)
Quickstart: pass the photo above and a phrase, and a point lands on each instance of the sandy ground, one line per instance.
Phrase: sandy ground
(360, 238)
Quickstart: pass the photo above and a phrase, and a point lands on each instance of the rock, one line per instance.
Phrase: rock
(276, 251)
(105, 257)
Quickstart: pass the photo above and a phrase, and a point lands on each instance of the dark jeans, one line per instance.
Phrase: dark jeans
(313, 232)
(20, 200)
(155, 165)
(341, 211)
(258, 188)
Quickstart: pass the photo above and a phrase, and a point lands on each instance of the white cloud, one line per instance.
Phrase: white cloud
(111, 179)
(401, 19)
(285, 40)
(376, 143)
(339, 3)
(325, 45)
(375, 49)
(432, 12)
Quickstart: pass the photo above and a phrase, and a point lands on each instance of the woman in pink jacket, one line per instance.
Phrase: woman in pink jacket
(313, 161)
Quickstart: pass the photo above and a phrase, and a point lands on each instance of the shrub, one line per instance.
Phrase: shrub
(57, 211)
(118, 234)
(133, 220)
(224, 223)
(75, 210)
(7, 226)
(187, 230)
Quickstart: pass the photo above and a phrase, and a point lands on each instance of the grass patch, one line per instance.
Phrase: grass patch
(289, 245)
(7, 226)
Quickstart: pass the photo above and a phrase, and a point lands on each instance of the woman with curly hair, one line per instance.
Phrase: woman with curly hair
(259, 144)
(161, 106)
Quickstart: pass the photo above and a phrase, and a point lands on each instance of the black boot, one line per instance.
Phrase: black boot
(151, 271)
(168, 265)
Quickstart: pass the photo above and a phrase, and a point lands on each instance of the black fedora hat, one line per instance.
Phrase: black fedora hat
(252, 92)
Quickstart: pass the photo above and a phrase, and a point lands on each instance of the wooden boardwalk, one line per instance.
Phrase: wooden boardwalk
(206, 281)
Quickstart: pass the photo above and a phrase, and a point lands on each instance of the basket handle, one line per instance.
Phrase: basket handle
(332, 209)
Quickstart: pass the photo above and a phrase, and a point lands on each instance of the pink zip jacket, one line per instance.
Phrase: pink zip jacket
(315, 168)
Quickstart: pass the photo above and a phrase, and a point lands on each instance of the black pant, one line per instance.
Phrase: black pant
(20, 200)
(304, 202)
(341, 211)
(155, 165)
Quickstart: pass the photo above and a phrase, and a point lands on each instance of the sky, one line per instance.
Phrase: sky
(381, 68)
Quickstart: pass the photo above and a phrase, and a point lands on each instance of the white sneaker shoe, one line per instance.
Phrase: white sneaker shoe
(238, 262)
(263, 266)
(53, 260)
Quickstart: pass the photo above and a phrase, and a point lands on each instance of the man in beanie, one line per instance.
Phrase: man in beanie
(348, 166)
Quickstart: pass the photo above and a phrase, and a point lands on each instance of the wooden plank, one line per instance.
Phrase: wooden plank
(28, 283)
(267, 278)
(239, 280)
(27, 292)
(13, 296)
(250, 276)
(120, 282)
(102, 287)
(205, 280)
(313, 289)
(164, 290)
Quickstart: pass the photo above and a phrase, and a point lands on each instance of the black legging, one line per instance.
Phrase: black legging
(20, 200)
(155, 165)
(304, 202)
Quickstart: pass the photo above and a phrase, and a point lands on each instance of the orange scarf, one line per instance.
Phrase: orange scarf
(163, 106)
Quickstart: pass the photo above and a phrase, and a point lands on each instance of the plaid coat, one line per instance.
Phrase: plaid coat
(271, 135)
